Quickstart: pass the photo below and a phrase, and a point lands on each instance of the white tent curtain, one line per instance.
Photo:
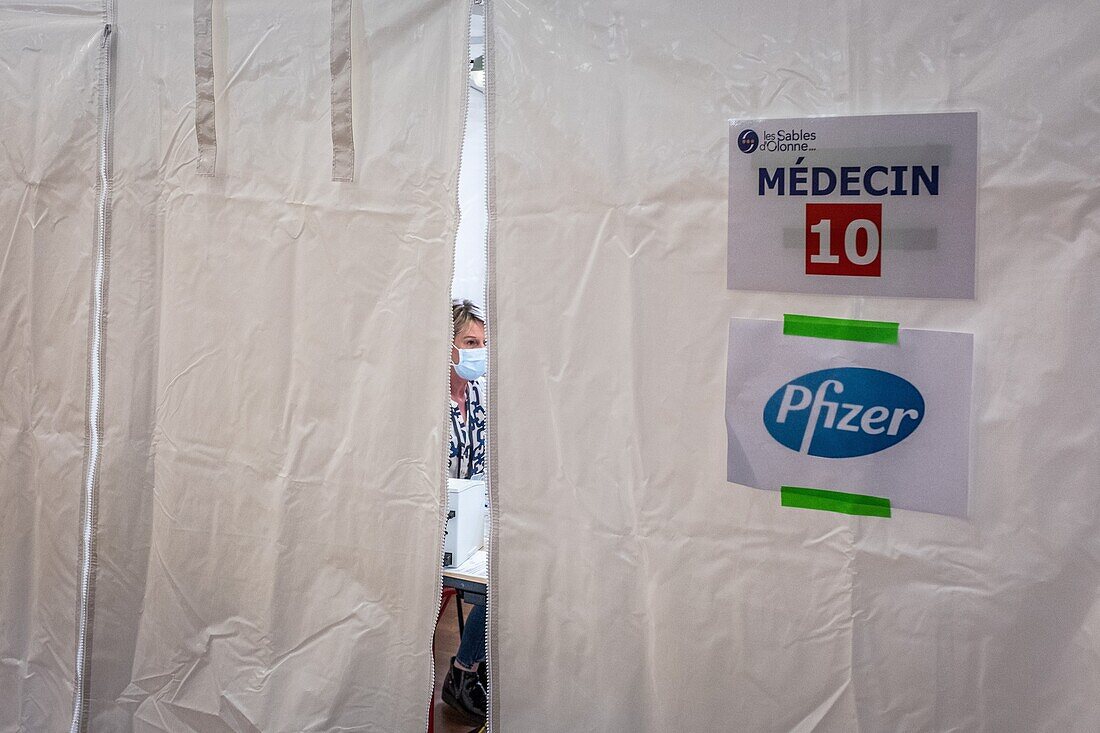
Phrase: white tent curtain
(48, 108)
(270, 480)
(633, 588)
(270, 489)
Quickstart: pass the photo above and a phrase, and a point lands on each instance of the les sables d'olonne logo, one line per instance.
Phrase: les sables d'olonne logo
(748, 141)
(843, 412)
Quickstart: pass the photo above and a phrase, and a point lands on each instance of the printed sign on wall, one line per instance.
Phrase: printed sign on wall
(888, 420)
(870, 205)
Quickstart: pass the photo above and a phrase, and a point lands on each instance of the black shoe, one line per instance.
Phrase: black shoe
(483, 675)
(463, 691)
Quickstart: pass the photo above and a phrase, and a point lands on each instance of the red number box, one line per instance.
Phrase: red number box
(844, 239)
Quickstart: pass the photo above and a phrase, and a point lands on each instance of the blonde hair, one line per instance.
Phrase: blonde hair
(464, 312)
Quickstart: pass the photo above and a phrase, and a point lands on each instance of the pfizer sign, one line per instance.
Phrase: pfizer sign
(843, 412)
(887, 419)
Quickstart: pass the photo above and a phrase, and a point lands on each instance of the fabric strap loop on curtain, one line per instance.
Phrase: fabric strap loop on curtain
(205, 129)
(343, 138)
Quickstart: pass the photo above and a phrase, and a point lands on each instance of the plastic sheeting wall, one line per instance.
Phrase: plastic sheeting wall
(48, 108)
(270, 491)
(633, 588)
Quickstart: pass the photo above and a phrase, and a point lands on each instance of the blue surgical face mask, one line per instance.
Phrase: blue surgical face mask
(471, 363)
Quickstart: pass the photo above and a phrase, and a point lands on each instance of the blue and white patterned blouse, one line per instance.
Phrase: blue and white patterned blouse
(467, 456)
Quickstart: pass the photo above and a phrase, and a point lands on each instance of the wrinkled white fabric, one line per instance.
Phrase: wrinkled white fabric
(637, 590)
(48, 133)
(276, 364)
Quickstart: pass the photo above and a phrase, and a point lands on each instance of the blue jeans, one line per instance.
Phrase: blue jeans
(471, 649)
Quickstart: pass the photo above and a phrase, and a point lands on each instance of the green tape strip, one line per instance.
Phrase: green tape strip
(842, 329)
(835, 501)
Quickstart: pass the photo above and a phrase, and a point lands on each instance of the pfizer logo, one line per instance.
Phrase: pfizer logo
(844, 412)
(748, 141)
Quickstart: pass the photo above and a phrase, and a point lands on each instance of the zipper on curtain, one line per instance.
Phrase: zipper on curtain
(491, 339)
(93, 449)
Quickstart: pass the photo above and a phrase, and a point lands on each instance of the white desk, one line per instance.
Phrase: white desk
(471, 577)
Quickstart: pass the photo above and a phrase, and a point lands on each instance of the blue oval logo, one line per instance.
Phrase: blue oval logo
(748, 141)
(844, 412)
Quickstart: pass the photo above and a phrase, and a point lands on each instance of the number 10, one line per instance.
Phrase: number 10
(861, 227)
